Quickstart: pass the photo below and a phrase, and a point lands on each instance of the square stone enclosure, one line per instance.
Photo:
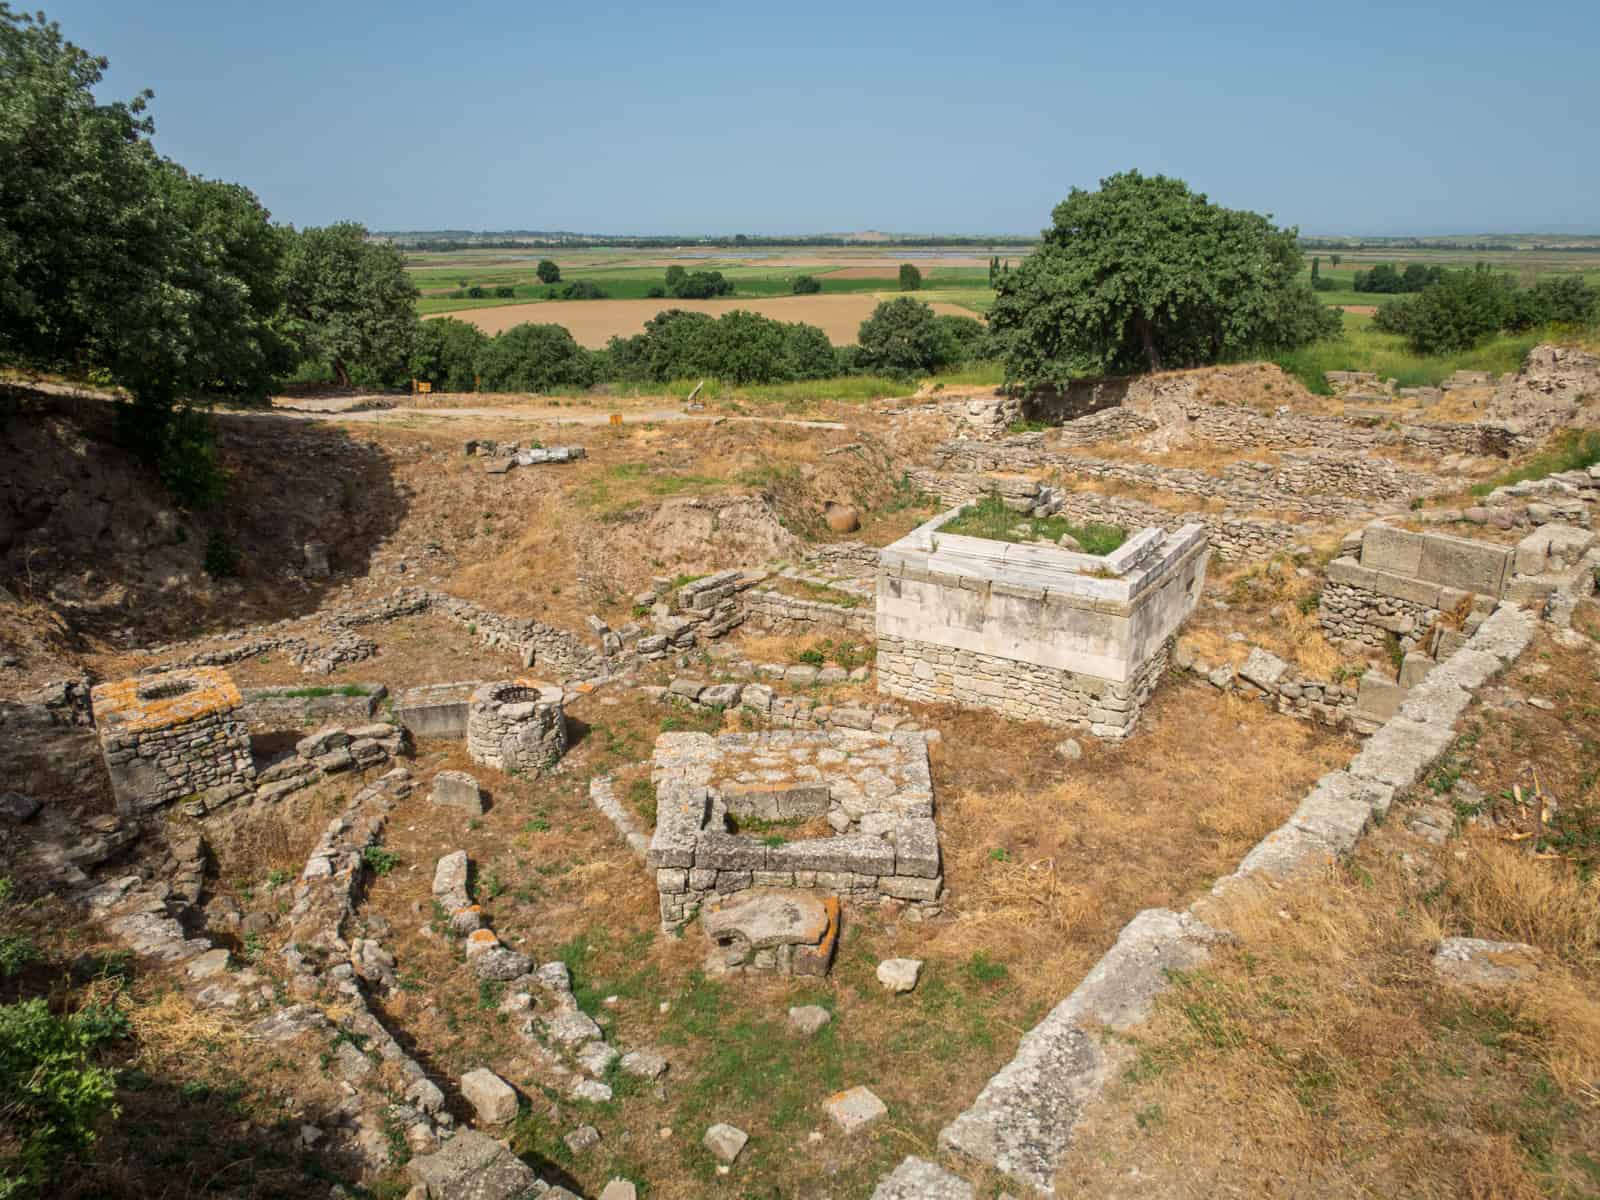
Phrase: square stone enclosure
(1034, 631)
(873, 789)
(165, 737)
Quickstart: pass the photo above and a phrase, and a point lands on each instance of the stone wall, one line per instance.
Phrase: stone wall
(1321, 483)
(1403, 582)
(173, 737)
(1034, 631)
(789, 712)
(1267, 677)
(875, 791)
(934, 674)
(517, 725)
(269, 709)
(793, 617)
(48, 746)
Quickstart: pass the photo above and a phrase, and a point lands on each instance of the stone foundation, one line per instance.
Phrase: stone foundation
(934, 674)
(873, 790)
(517, 725)
(173, 736)
(1031, 630)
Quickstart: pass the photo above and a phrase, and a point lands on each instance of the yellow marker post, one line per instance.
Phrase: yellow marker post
(424, 387)
(616, 418)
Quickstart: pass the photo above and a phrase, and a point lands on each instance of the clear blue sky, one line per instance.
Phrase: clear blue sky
(941, 117)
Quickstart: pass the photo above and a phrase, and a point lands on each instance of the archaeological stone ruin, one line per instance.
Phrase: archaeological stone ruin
(1034, 632)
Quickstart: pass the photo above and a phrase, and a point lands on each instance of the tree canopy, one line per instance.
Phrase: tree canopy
(904, 335)
(350, 302)
(1145, 274)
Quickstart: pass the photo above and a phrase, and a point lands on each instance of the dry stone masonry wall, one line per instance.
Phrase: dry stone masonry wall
(874, 791)
(173, 737)
(517, 725)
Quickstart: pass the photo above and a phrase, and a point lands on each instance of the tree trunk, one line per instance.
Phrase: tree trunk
(340, 374)
(1147, 338)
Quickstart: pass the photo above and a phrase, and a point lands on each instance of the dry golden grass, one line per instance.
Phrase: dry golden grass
(1046, 859)
(1320, 1057)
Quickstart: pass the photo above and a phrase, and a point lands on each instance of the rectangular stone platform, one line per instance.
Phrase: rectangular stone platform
(1034, 631)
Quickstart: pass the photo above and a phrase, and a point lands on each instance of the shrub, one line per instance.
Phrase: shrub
(380, 860)
(910, 277)
(970, 335)
(807, 285)
(221, 559)
(904, 335)
(701, 285)
(1561, 300)
(1393, 317)
(530, 358)
(579, 289)
(50, 1094)
(505, 293)
(446, 353)
(809, 353)
(547, 271)
(1460, 311)
(476, 293)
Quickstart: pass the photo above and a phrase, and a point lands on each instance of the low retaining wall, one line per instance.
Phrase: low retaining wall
(517, 725)
(792, 617)
(269, 709)
(874, 789)
(1404, 582)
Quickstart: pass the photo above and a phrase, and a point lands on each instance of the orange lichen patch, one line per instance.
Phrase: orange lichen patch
(471, 908)
(830, 936)
(482, 939)
(176, 698)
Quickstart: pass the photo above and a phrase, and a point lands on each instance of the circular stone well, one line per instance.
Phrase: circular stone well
(516, 725)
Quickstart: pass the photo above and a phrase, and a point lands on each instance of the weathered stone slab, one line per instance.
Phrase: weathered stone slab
(1397, 551)
(1479, 963)
(1465, 564)
(854, 1109)
(473, 1166)
(919, 1179)
(491, 1097)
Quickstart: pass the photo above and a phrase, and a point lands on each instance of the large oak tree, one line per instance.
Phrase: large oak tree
(1145, 274)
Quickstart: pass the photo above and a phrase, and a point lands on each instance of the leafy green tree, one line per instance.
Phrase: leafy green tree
(807, 285)
(446, 352)
(534, 358)
(1144, 275)
(1460, 311)
(745, 347)
(1557, 299)
(578, 289)
(808, 352)
(701, 285)
(904, 335)
(675, 277)
(548, 271)
(349, 302)
(676, 344)
(910, 277)
(970, 336)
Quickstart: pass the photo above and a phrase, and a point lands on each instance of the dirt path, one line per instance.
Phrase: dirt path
(533, 416)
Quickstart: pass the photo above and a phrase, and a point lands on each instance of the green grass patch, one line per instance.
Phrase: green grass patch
(1362, 348)
(317, 693)
(990, 518)
(1572, 450)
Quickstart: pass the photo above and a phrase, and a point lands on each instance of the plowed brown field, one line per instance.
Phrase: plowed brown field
(594, 322)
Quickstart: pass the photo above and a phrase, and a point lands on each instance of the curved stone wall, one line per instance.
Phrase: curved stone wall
(516, 725)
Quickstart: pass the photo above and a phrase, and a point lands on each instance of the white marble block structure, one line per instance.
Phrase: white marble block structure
(1034, 631)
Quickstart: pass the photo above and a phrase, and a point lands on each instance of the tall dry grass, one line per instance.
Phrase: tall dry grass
(1321, 1056)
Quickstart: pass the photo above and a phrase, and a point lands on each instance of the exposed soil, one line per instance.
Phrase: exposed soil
(594, 322)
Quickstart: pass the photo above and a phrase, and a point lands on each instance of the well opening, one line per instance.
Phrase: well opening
(167, 689)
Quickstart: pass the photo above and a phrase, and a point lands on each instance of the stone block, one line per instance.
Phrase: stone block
(457, 789)
(916, 848)
(899, 975)
(850, 853)
(1396, 551)
(1465, 564)
(473, 1164)
(1414, 668)
(854, 1108)
(726, 1142)
(1378, 698)
(1263, 669)
(919, 1179)
(491, 1097)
